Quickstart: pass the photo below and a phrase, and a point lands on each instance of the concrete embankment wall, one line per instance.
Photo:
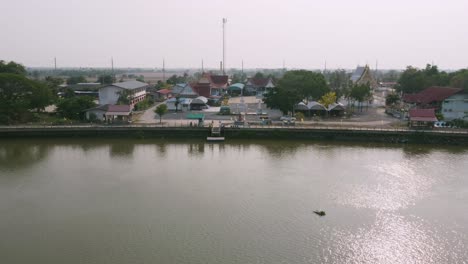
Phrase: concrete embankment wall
(110, 132)
(357, 135)
(363, 135)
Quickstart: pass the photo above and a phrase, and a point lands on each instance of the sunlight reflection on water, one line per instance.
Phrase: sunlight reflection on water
(389, 186)
(396, 239)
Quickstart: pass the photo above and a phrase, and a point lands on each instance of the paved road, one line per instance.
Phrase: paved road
(149, 116)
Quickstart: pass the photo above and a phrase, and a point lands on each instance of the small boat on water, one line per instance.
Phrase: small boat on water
(320, 213)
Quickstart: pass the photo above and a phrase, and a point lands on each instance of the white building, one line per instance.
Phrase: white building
(183, 104)
(110, 94)
(455, 107)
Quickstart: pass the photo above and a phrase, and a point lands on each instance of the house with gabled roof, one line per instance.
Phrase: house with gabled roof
(109, 113)
(259, 85)
(431, 97)
(211, 86)
(202, 87)
(422, 117)
(218, 84)
(184, 90)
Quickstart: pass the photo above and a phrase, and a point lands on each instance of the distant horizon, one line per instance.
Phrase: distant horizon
(299, 34)
(217, 69)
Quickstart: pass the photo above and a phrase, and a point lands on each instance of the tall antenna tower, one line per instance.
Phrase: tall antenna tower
(55, 64)
(202, 67)
(242, 66)
(164, 70)
(224, 45)
(376, 68)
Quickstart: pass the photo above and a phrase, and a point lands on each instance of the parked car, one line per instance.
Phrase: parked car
(442, 124)
(287, 118)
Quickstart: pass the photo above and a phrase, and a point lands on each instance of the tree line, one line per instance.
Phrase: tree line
(413, 80)
(22, 99)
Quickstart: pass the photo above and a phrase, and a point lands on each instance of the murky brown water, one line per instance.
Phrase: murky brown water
(124, 201)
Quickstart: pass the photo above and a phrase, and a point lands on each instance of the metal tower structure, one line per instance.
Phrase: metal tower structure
(224, 45)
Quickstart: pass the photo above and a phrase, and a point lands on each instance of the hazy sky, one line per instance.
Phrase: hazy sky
(305, 33)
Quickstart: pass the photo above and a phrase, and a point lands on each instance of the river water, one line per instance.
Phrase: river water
(152, 201)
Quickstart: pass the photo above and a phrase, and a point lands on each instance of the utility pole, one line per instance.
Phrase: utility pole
(242, 67)
(112, 65)
(376, 69)
(55, 65)
(224, 45)
(202, 67)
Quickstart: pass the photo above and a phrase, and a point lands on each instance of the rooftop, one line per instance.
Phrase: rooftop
(424, 115)
(130, 85)
(431, 94)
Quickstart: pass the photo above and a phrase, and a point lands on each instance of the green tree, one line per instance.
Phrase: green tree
(413, 80)
(328, 99)
(74, 107)
(141, 78)
(392, 99)
(54, 85)
(259, 75)
(294, 87)
(338, 81)
(76, 79)
(41, 96)
(12, 67)
(124, 97)
(361, 93)
(15, 97)
(160, 111)
(106, 79)
(175, 79)
(459, 79)
(239, 77)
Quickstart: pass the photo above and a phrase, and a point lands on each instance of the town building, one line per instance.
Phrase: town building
(431, 97)
(259, 85)
(162, 94)
(363, 75)
(178, 104)
(203, 86)
(422, 118)
(184, 90)
(218, 84)
(109, 113)
(110, 94)
(455, 107)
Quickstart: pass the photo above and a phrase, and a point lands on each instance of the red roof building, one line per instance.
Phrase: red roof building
(211, 86)
(430, 97)
(164, 91)
(422, 117)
